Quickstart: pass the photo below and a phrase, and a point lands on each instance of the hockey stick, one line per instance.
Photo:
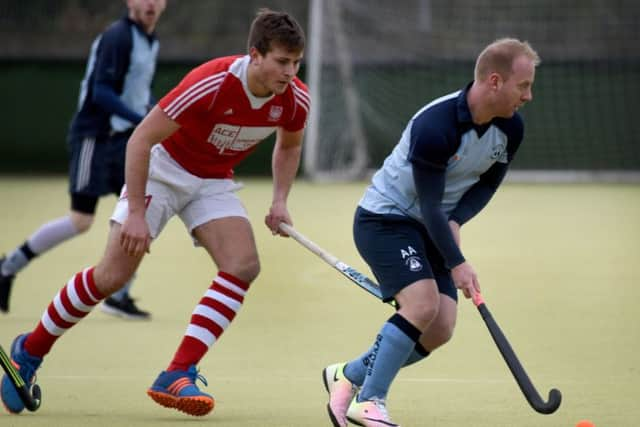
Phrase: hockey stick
(518, 372)
(356, 277)
(30, 398)
(509, 356)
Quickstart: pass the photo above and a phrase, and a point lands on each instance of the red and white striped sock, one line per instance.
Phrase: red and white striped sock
(211, 317)
(70, 305)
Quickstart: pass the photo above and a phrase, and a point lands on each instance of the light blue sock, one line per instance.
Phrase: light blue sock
(356, 370)
(391, 350)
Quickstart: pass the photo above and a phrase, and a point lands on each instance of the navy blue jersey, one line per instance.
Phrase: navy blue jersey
(116, 90)
(444, 167)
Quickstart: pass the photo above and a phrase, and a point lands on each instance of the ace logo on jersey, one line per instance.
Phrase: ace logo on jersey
(231, 138)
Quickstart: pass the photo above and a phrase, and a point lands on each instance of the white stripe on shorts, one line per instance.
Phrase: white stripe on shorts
(83, 175)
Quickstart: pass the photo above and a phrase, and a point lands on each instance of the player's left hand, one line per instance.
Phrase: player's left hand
(277, 213)
(465, 278)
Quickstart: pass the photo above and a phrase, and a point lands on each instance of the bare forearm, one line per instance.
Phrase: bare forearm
(155, 127)
(285, 165)
(136, 173)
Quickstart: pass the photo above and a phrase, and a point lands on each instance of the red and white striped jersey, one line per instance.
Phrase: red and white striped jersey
(222, 121)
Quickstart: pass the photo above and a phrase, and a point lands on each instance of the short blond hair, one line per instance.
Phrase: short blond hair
(498, 57)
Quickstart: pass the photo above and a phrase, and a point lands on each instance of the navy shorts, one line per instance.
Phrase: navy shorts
(399, 252)
(96, 169)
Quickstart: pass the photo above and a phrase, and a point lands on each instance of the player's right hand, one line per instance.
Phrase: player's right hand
(277, 213)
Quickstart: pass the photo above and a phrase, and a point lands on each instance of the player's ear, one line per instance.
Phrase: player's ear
(255, 55)
(495, 81)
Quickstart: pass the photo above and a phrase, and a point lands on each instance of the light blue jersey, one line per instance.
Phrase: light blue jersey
(136, 90)
(115, 93)
(441, 136)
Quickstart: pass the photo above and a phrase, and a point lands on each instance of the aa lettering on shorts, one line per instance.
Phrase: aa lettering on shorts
(405, 253)
(410, 259)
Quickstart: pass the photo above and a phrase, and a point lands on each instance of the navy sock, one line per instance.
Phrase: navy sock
(418, 353)
(26, 250)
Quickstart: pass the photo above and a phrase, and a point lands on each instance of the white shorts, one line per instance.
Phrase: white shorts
(172, 190)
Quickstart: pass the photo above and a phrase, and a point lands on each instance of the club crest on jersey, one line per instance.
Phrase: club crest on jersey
(499, 152)
(275, 113)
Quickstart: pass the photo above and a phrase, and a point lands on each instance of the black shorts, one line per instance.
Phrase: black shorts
(399, 252)
(96, 168)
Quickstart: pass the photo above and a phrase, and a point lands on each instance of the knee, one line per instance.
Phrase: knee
(442, 335)
(438, 334)
(251, 270)
(110, 280)
(425, 311)
(246, 269)
(81, 222)
(420, 312)
(419, 305)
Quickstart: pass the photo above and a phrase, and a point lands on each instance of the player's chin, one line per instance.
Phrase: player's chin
(516, 108)
(509, 114)
(280, 87)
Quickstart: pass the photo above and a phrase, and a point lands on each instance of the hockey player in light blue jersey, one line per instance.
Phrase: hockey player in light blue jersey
(450, 159)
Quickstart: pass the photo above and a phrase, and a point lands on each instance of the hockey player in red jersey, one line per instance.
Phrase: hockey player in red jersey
(180, 161)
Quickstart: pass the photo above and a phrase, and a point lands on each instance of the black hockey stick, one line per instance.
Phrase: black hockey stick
(30, 395)
(509, 356)
(518, 372)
